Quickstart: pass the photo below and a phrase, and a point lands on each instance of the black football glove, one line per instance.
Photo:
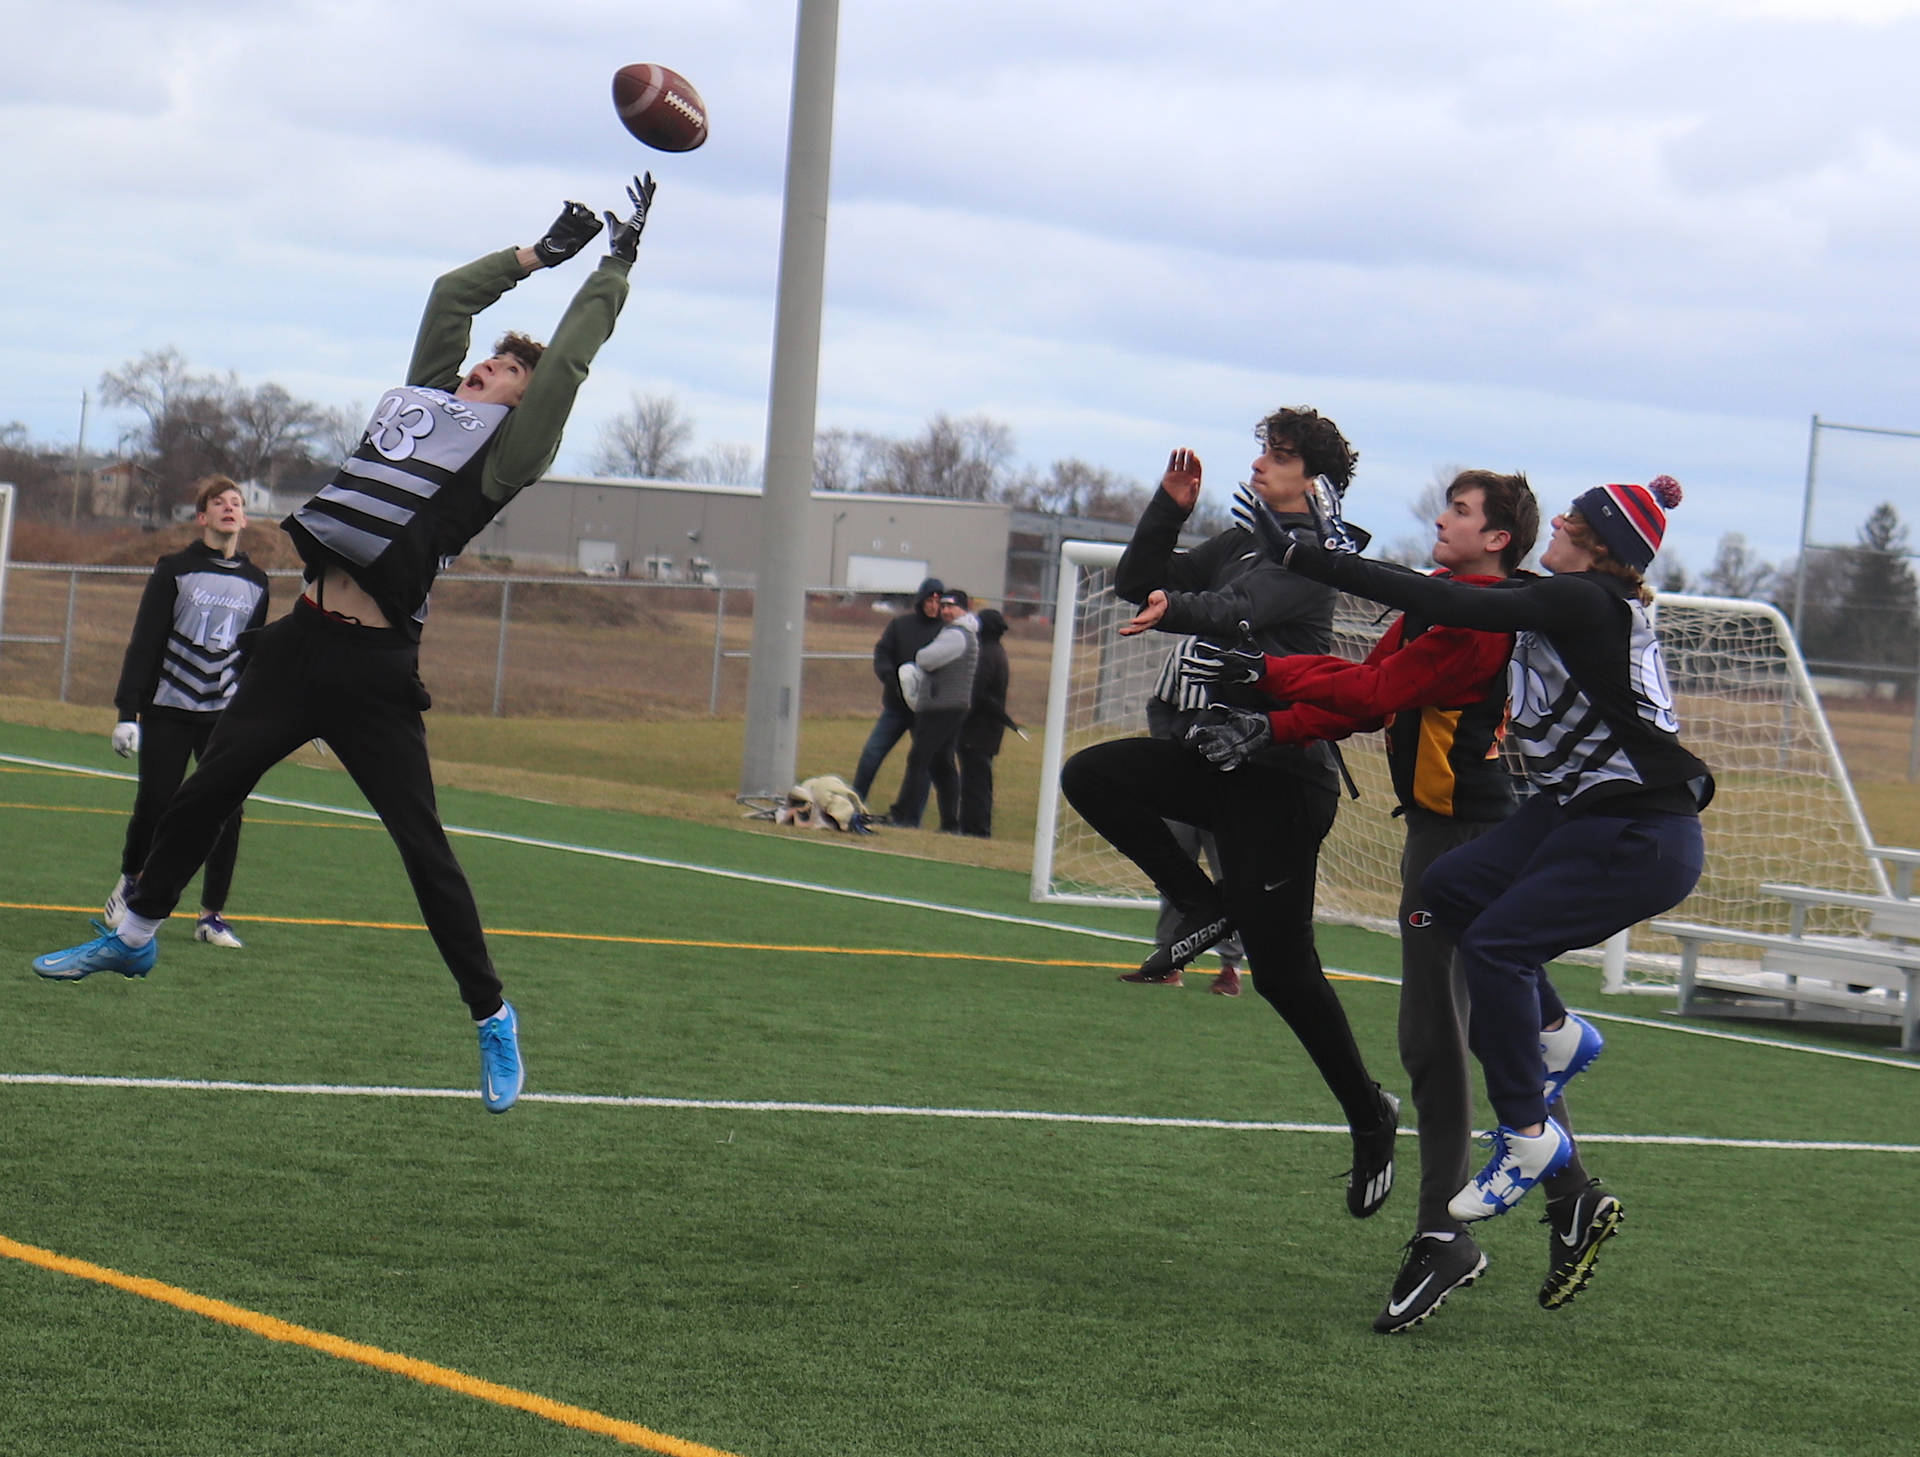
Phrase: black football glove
(1323, 504)
(623, 234)
(571, 231)
(1227, 737)
(1207, 662)
(1275, 541)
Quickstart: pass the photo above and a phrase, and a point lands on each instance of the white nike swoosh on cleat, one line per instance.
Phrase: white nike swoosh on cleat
(1401, 1307)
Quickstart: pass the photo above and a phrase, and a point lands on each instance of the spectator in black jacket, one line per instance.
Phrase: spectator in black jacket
(181, 668)
(903, 637)
(986, 724)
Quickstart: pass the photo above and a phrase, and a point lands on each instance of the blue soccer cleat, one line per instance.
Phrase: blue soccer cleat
(1518, 1163)
(105, 952)
(1567, 1052)
(501, 1074)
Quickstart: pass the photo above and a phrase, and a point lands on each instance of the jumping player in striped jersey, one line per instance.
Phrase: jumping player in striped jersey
(180, 671)
(1610, 837)
(442, 456)
(1440, 693)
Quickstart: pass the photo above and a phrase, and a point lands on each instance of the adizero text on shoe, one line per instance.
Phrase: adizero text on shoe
(1433, 1270)
(1568, 1051)
(1577, 1225)
(1196, 933)
(116, 908)
(1370, 1179)
(215, 931)
(105, 952)
(1517, 1164)
(501, 1073)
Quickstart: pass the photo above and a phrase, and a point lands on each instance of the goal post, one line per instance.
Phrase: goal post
(1785, 808)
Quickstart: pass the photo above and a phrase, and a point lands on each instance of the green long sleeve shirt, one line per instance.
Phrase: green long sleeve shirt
(528, 439)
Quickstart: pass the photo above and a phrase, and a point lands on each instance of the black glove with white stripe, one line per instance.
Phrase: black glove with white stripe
(1207, 662)
(1226, 737)
(623, 235)
(571, 231)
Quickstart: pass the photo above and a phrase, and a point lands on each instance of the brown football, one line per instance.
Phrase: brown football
(660, 107)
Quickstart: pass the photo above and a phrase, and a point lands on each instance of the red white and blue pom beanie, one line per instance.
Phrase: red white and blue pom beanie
(1629, 519)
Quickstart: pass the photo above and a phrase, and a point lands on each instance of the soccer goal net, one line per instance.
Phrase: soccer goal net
(1785, 809)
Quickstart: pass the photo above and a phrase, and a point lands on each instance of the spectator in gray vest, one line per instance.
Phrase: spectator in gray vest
(937, 683)
(903, 637)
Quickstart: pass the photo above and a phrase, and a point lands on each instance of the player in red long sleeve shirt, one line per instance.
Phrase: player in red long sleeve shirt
(1440, 693)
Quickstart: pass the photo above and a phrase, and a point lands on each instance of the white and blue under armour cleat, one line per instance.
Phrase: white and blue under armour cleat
(1518, 1163)
(501, 1073)
(1568, 1051)
(105, 952)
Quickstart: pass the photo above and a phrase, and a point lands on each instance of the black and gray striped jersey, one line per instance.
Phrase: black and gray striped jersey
(1591, 708)
(184, 656)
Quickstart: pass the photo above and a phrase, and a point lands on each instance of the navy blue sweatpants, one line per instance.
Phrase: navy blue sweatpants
(1544, 883)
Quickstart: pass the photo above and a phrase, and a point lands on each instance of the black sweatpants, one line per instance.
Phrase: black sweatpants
(1267, 825)
(311, 676)
(166, 744)
(930, 765)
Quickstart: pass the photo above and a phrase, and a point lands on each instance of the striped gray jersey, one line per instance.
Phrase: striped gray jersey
(1567, 743)
(200, 665)
(416, 441)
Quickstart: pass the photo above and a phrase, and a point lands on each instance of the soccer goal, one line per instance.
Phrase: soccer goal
(1785, 809)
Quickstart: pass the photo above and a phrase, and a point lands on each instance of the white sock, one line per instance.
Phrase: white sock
(1445, 1236)
(136, 930)
(494, 1018)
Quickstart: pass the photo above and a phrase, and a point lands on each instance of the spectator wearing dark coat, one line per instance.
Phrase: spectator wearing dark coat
(903, 637)
(986, 724)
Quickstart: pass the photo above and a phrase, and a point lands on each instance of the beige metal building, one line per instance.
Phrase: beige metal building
(682, 531)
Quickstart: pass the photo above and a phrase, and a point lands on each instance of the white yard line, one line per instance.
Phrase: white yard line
(631, 858)
(880, 1110)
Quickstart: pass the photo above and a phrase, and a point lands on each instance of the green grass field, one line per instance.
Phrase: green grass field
(639, 1245)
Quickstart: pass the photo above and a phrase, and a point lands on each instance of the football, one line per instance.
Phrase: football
(660, 107)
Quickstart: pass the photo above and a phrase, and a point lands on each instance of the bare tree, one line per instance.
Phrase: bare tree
(1737, 570)
(727, 464)
(274, 432)
(339, 432)
(649, 440)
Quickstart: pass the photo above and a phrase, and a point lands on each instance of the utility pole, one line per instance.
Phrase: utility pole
(779, 596)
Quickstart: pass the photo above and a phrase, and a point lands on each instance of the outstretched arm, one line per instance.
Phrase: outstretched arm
(446, 328)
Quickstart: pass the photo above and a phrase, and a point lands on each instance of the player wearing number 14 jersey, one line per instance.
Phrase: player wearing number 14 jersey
(181, 668)
(442, 456)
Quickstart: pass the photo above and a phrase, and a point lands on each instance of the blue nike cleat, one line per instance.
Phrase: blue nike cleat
(105, 952)
(501, 1074)
(1568, 1051)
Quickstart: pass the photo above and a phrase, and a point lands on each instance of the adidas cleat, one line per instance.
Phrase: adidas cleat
(1370, 1179)
(1198, 931)
(213, 929)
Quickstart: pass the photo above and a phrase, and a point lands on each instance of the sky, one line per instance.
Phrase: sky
(1595, 240)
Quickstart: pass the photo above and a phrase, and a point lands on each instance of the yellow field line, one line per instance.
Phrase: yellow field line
(894, 951)
(88, 809)
(274, 1329)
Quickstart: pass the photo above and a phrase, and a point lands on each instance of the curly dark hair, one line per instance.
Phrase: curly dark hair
(527, 351)
(1322, 449)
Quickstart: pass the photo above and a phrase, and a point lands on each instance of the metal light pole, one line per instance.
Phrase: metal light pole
(779, 598)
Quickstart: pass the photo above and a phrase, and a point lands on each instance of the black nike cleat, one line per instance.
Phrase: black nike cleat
(1577, 1225)
(1433, 1270)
